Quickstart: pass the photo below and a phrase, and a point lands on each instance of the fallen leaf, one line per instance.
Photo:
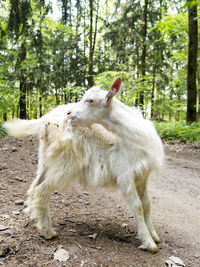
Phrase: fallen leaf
(174, 262)
(61, 254)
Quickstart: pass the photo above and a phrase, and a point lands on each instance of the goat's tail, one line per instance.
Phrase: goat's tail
(21, 128)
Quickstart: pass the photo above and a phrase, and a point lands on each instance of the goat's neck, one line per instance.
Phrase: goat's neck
(120, 120)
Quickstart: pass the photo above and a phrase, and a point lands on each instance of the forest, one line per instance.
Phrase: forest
(52, 51)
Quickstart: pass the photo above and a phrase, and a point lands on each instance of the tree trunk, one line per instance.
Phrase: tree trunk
(40, 106)
(144, 50)
(192, 64)
(92, 40)
(22, 86)
(5, 116)
(22, 98)
(90, 68)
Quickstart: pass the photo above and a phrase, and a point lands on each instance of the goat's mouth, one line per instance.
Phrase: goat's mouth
(73, 121)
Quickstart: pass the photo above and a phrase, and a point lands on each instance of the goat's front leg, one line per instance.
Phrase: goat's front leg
(38, 207)
(143, 232)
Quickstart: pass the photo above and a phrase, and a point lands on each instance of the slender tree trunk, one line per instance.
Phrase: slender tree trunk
(40, 106)
(92, 40)
(144, 50)
(5, 116)
(90, 69)
(192, 65)
(153, 91)
(84, 43)
(137, 70)
(22, 98)
(22, 86)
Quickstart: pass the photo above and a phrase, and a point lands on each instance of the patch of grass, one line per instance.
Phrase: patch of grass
(179, 130)
(2, 130)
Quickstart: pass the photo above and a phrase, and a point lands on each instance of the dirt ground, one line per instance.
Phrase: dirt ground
(79, 215)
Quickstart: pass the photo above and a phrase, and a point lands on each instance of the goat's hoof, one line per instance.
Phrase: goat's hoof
(156, 240)
(149, 247)
(50, 234)
(155, 237)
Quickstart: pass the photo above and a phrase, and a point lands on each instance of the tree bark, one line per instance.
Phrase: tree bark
(192, 64)
(144, 50)
(22, 98)
(92, 40)
(90, 68)
(22, 86)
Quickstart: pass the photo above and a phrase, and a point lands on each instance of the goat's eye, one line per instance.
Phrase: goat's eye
(89, 100)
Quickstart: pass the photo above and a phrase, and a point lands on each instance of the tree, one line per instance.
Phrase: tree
(192, 63)
(18, 25)
(92, 40)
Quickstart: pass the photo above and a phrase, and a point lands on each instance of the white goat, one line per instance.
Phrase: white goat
(138, 152)
(121, 156)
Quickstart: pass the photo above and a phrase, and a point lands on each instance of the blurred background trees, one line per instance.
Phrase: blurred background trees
(51, 56)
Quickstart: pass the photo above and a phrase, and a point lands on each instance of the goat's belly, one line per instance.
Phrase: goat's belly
(98, 177)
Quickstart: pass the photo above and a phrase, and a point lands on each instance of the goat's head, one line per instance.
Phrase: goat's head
(95, 105)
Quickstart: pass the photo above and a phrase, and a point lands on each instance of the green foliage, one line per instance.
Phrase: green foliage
(54, 69)
(2, 130)
(179, 131)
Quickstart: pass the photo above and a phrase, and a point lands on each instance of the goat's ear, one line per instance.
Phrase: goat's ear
(114, 89)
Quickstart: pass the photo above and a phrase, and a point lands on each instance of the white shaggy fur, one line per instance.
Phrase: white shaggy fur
(122, 156)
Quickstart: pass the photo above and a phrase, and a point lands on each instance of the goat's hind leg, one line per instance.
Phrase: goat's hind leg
(143, 233)
(143, 193)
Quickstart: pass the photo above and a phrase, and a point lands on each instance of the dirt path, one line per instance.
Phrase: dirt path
(77, 214)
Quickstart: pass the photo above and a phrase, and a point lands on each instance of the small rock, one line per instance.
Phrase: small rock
(4, 251)
(85, 193)
(62, 223)
(127, 236)
(80, 200)
(3, 168)
(5, 216)
(19, 202)
(72, 230)
(19, 179)
(124, 225)
(15, 212)
(3, 227)
(93, 236)
(7, 233)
